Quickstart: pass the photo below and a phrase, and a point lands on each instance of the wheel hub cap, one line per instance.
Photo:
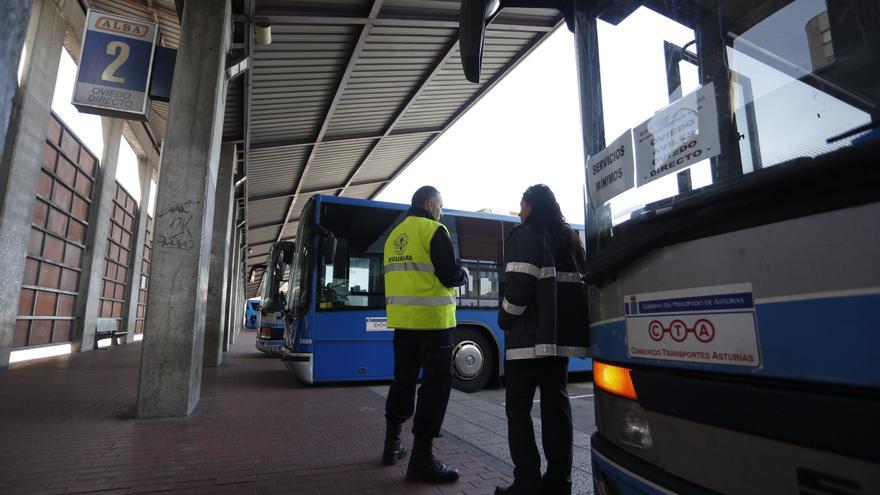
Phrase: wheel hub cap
(467, 359)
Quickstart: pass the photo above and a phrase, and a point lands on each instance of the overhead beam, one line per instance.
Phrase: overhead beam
(280, 16)
(328, 117)
(338, 139)
(267, 197)
(399, 115)
(246, 105)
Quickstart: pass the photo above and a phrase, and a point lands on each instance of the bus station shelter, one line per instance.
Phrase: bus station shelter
(271, 102)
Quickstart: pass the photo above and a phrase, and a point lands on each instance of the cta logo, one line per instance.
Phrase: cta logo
(703, 330)
(120, 26)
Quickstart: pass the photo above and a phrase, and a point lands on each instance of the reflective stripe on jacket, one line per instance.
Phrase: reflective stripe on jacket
(414, 296)
(544, 306)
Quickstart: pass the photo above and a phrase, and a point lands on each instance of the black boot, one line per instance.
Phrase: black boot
(514, 490)
(394, 447)
(553, 487)
(423, 466)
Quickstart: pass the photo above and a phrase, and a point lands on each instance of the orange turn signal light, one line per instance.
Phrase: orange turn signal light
(614, 379)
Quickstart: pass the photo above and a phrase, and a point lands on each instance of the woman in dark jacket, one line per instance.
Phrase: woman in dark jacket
(544, 317)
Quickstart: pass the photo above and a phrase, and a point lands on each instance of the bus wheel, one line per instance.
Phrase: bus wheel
(472, 360)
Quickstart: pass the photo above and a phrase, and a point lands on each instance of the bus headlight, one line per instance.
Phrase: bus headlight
(632, 426)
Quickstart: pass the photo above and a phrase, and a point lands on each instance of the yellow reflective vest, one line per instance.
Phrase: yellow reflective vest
(414, 297)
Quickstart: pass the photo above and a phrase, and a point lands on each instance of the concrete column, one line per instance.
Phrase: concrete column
(145, 171)
(215, 319)
(171, 364)
(240, 299)
(91, 283)
(231, 293)
(14, 16)
(25, 137)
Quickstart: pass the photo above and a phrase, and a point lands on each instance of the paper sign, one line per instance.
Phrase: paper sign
(610, 171)
(684, 133)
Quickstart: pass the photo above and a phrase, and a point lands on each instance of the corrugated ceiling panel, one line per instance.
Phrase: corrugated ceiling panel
(295, 78)
(158, 118)
(392, 65)
(423, 8)
(336, 7)
(232, 117)
(543, 17)
(290, 229)
(334, 162)
(363, 192)
(275, 170)
(267, 211)
(259, 252)
(389, 156)
(258, 236)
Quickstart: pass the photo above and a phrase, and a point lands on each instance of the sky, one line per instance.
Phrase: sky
(524, 131)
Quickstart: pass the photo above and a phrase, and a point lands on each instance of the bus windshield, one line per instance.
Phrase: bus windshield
(269, 295)
(697, 96)
(298, 283)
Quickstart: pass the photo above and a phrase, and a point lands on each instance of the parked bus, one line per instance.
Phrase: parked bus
(273, 296)
(252, 313)
(336, 329)
(733, 232)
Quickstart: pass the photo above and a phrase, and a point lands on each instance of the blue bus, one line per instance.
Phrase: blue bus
(252, 313)
(273, 294)
(733, 240)
(336, 326)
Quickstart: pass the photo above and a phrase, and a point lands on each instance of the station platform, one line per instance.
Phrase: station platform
(68, 425)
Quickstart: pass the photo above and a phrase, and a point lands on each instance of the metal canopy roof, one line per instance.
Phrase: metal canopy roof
(348, 93)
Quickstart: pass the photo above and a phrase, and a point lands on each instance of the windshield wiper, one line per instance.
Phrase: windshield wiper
(874, 124)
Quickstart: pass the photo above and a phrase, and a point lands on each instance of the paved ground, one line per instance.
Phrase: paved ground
(67, 426)
(477, 422)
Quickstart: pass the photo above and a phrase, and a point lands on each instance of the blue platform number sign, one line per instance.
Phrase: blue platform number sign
(115, 62)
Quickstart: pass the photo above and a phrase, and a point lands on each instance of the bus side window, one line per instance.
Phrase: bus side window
(481, 246)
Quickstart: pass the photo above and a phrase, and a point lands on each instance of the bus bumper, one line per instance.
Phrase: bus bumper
(299, 364)
(617, 472)
(272, 347)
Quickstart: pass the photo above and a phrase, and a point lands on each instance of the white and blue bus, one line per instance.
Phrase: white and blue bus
(733, 240)
(336, 325)
(273, 293)
(252, 313)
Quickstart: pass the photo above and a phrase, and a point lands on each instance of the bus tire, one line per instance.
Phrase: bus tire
(473, 360)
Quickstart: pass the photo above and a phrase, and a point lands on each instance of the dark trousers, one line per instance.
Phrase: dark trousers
(522, 377)
(430, 350)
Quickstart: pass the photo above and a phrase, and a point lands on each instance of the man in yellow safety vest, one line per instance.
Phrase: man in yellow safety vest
(421, 274)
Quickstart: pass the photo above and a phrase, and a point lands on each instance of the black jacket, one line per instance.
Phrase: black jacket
(448, 272)
(544, 308)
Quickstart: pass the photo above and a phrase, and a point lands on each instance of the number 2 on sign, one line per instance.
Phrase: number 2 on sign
(120, 50)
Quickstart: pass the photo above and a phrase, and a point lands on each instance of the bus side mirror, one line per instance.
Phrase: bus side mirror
(287, 254)
(328, 248)
(471, 33)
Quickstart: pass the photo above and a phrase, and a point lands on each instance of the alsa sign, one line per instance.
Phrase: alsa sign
(115, 63)
(705, 325)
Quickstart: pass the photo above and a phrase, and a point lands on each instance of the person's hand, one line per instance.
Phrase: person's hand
(467, 273)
